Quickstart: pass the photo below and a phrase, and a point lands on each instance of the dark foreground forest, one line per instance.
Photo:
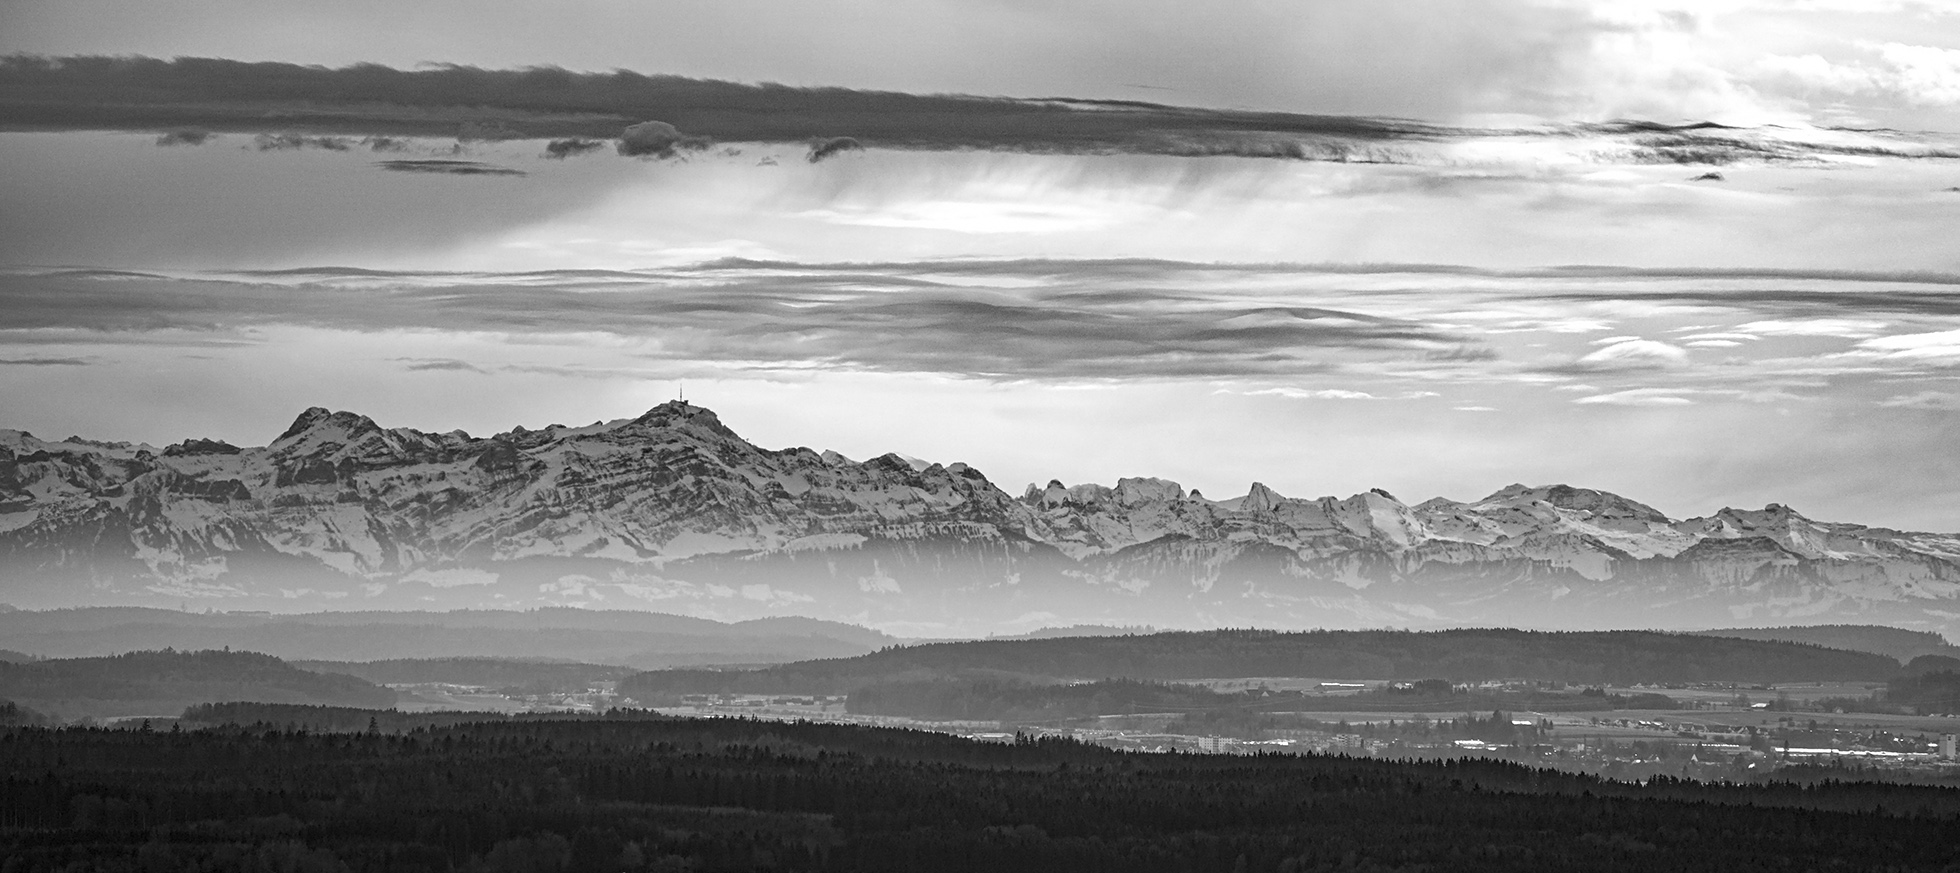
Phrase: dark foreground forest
(642, 792)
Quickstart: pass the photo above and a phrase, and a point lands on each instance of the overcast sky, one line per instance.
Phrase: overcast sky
(1767, 329)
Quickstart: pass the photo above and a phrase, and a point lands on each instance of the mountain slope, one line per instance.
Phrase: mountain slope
(674, 511)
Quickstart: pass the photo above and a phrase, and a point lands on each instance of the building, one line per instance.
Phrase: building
(1947, 750)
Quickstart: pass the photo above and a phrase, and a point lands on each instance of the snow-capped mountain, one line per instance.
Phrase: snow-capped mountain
(674, 511)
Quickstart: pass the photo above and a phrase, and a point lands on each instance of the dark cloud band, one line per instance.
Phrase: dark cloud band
(293, 106)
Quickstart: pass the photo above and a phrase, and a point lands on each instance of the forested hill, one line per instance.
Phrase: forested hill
(1904, 645)
(1461, 655)
(494, 672)
(632, 793)
(165, 682)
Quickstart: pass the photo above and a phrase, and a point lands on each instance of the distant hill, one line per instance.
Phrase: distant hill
(165, 682)
(622, 637)
(1903, 645)
(1461, 655)
(1925, 664)
(1079, 630)
(493, 672)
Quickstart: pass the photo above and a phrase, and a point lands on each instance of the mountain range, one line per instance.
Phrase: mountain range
(673, 511)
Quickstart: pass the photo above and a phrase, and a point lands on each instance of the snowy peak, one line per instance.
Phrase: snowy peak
(673, 509)
(1776, 522)
(318, 432)
(1597, 506)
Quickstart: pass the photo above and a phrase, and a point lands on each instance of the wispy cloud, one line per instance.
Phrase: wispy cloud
(44, 362)
(448, 167)
(1633, 354)
(1640, 397)
(1940, 400)
(1347, 334)
(1331, 394)
(439, 364)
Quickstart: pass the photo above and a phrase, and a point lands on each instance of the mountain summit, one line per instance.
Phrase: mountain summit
(674, 511)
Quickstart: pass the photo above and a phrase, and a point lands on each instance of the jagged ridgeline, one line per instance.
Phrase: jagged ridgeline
(674, 511)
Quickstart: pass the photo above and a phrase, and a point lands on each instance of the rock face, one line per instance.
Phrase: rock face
(673, 511)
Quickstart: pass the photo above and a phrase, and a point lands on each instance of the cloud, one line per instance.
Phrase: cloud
(658, 139)
(275, 142)
(185, 137)
(452, 578)
(448, 167)
(1850, 328)
(1323, 333)
(567, 107)
(1634, 354)
(822, 149)
(44, 362)
(1303, 394)
(439, 364)
(1938, 347)
(1913, 75)
(1332, 394)
(1639, 397)
(566, 148)
(994, 320)
(1940, 400)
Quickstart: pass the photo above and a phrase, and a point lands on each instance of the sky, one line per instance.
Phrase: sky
(1519, 296)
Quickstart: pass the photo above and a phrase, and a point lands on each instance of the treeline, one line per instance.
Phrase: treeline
(1898, 643)
(1922, 694)
(166, 681)
(1591, 658)
(340, 719)
(995, 698)
(633, 792)
(986, 697)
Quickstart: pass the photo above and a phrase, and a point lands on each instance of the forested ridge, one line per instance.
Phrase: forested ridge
(166, 681)
(1587, 657)
(632, 791)
(493, 672)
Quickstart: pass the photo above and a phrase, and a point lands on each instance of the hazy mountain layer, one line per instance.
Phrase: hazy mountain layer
(619, 637)
(1465, 655)
(674, 511)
